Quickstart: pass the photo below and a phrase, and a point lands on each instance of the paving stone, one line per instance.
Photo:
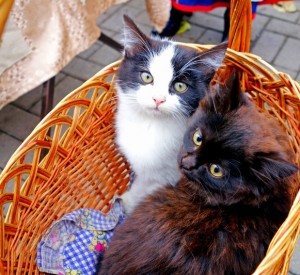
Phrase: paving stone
(8, 145)
(268, 45)
(210, 37)
(87, 53)
(108, 13)
(291, 73)
(65, 87)
(190, 36)
(208, 21)
(59, 77)
(16, 122)
(218, 12)
(270, 11)
(258, 24)
(298, 78)
(61, 90)
(137, 4)
(295, 263)
(289, 56)
(36, 108)
(29, 99)
(142, 18)
(115, 21)
(119, 36)
(81, 68)
(115, 35)
(285, 28)
(105, 55)
(32, 97)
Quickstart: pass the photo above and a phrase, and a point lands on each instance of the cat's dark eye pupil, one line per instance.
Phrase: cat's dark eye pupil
(217, 169)
(199, 138)
(180, 87)
(146, 77)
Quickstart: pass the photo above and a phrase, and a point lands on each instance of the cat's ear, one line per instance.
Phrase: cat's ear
(212, 59)
(134, 38)
(232, 95)
(272, 166)
(228, 96)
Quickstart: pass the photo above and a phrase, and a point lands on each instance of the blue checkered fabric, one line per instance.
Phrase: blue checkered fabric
(75, 244)
(78, 257)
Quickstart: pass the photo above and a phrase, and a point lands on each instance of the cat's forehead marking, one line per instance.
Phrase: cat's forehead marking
(160, 66)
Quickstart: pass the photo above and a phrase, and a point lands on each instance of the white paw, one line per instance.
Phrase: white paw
(127, 202)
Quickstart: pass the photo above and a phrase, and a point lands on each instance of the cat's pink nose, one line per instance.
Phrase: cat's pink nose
(188, 162)
(158, 100)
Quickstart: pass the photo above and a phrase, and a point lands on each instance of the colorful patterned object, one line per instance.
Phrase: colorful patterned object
(75, 244)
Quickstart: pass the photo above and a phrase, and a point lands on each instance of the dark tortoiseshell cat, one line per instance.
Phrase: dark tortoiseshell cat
(222, 214)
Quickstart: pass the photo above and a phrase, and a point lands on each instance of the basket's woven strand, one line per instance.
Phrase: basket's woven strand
(81, 168)
(240, 25)
(278, 96)
(5, 7)
(78, 165)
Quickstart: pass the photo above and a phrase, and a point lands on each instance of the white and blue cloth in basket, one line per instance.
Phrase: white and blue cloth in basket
(75, 244)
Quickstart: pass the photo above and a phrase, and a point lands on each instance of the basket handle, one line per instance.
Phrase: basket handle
(5, 7)
(240, 25)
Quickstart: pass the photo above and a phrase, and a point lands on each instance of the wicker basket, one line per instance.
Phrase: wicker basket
(5, 7)
(78, 164)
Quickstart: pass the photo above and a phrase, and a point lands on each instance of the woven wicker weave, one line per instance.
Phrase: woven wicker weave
(78, 165)
(5, 7)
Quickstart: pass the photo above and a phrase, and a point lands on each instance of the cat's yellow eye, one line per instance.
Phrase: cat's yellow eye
(216, 170)
(180, 87)
(146, 77)
(197, 138)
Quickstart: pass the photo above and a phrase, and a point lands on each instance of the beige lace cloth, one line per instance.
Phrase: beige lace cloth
(55, 31)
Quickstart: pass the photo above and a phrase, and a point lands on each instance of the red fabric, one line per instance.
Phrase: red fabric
(215, 4)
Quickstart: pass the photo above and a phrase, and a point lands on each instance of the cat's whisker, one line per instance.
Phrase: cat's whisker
(187, 65)
(144, 107)
(178, 116)
(214, 105)
(263, 177)
(196, 61)
(197, 213)
(187, 109)
(209, 194)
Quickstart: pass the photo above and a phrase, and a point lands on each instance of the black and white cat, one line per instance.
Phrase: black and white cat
(159, 85)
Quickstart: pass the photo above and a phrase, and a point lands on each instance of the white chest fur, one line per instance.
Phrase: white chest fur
(150, 136)
(151, 147)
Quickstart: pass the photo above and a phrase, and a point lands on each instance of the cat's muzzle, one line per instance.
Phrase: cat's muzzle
(187, 162)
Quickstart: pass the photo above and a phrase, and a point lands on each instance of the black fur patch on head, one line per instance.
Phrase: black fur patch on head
(250, 148)
(196, 69)
(138, 61)
(192, 67)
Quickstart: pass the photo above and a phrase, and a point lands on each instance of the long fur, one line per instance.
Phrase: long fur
(147, 135)
(205, 224)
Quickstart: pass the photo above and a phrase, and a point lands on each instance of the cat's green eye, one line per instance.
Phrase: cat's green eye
(216, 170)
(197, 138)
(180, 87)
(146, 77)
